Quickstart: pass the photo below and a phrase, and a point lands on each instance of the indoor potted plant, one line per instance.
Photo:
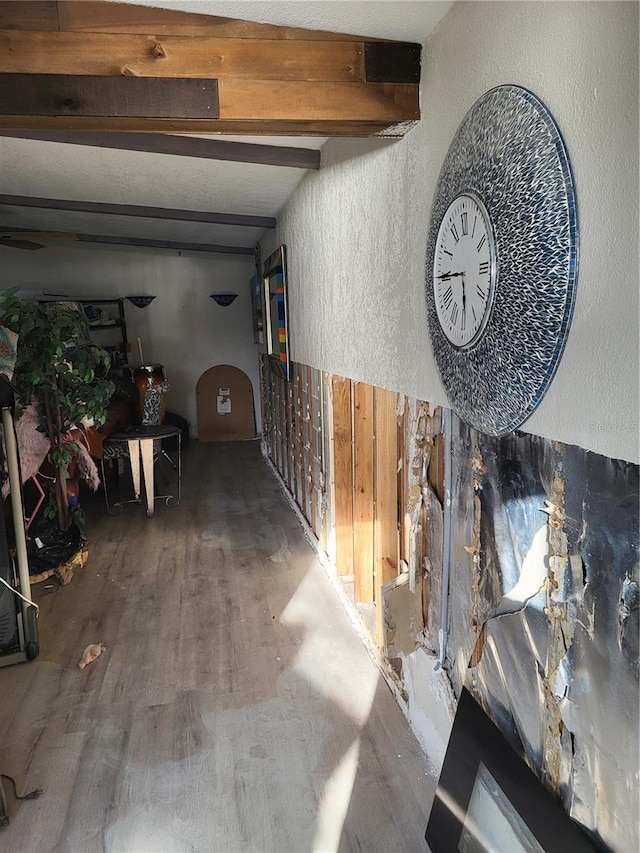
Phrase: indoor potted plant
(63, 375)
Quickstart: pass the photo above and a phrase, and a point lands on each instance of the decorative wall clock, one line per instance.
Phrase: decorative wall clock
(502, 260)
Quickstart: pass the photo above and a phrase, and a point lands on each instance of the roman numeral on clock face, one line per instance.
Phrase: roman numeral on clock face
(483, 268)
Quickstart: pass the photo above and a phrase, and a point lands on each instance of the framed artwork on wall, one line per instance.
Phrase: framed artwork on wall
(256, 309)
(276, 312)
(489, 799)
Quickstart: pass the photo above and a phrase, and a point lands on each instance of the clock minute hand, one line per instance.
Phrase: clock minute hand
(447, 275)
(464, 300)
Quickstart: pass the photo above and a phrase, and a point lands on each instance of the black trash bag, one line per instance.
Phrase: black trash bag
(49, 547)
(171, 419)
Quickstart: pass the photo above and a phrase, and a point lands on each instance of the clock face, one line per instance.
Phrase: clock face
(464, 271)
(502, 260)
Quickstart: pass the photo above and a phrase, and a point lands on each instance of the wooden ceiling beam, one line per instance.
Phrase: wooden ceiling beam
(314, 85)
(51, 52)
(166, 244)
(143, 242)
(239, 127)
(104, 208)
(181, 146)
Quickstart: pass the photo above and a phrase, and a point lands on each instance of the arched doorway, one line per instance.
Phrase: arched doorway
(224, 397)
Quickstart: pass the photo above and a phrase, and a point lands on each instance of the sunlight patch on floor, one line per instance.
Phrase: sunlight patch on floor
(334, 803)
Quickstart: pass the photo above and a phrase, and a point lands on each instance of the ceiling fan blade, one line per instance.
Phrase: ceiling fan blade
(32, 240)
(49, 236)
(19, 243)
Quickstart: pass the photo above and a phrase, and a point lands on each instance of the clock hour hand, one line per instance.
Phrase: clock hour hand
(447, 275)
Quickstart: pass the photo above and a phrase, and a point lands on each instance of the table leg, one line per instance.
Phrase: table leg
(146, 450)
(134, 459)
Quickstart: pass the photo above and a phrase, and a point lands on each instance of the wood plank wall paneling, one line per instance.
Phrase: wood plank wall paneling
(386, 538)
(363, 492)
(343, 474)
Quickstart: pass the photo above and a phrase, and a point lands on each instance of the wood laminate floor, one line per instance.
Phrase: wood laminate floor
(235, 708)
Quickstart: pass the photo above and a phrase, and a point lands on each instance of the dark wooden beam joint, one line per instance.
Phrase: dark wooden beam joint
(392, 62)
(94, 95)
(105, 208)
(20, 242)
(142, 243)
(182, 146)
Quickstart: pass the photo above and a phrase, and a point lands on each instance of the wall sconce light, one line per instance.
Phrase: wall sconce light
(140, 301)
(223, 299)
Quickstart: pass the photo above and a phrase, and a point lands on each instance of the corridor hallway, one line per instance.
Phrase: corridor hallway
(235, 707)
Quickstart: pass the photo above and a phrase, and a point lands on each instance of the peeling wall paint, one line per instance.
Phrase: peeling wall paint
(554, 672)
(543, 620)
(541, 616)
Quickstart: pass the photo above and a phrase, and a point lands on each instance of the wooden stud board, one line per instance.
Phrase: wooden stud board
(324, 453)
(378, 447)
(314, 478)
(386, 497)
(273, 411)
(403, 444)
(291, 463)
(291, 432)
(343, 485)
(303, 415)
(363, 488)
(275, 417)
(297, 436)
(282, 428)
(305, 430)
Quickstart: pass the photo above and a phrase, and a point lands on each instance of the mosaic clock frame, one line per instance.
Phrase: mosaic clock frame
(509, 158)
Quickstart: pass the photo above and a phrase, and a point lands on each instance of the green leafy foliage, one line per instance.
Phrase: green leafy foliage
(60, 370)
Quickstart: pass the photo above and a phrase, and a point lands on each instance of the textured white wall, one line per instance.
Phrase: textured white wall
(356, 231)
(182, 328)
